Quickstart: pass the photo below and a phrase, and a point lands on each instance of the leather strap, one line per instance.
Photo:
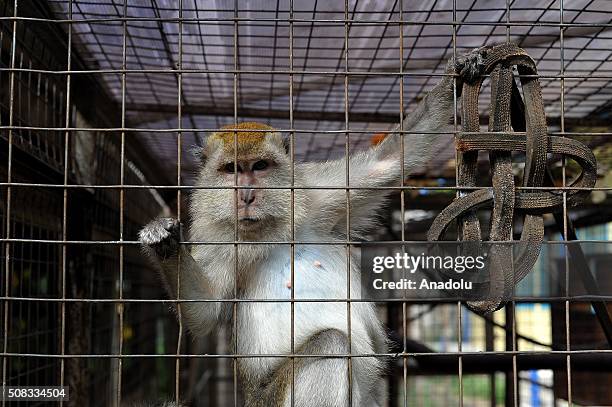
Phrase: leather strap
(508, 111)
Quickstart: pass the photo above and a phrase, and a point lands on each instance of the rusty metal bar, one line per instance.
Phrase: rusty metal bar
(235, 134)
(179, 154)
(67, 137)
(604, 355)
(292, 203)
(351, 21)
(7, 246)
(565, 217)
(403, 200)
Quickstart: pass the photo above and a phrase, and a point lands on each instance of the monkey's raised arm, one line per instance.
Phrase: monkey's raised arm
(380, 166)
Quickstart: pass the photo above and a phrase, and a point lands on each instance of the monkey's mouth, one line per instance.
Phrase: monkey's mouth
(248, 221)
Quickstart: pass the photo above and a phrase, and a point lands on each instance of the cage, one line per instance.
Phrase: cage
(102, 102)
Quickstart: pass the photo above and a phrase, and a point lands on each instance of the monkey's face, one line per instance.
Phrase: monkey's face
(248, 190)
(257, 199)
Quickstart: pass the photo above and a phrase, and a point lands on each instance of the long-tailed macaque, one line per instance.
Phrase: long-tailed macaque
(263, 269)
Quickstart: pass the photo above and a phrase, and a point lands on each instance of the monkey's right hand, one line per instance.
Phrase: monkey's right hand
(163, 236)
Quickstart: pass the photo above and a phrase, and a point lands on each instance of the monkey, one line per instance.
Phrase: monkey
(262, 198)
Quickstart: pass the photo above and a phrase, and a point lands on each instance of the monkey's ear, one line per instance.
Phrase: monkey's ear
(198, 153)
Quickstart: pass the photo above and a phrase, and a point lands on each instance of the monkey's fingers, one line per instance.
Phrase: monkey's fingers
(469, 67)
(162, 235)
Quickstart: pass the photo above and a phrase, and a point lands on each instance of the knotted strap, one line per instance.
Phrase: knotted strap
(508, 111)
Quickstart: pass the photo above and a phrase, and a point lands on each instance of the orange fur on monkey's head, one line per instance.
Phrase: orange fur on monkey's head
(250, 138)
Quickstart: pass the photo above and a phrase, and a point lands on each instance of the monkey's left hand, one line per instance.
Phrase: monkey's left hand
(163, 236)
(470, 66)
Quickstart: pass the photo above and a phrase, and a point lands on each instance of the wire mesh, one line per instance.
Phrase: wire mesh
(101, 101)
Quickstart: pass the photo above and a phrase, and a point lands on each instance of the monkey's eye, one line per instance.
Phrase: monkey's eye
(260, 165)
(229, 168)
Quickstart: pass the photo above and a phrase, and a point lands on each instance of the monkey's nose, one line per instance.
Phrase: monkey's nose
(247, 196)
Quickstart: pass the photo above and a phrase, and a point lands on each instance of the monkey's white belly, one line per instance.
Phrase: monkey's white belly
(264, 328)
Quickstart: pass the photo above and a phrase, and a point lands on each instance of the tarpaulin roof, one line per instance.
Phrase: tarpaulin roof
(244, 60)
